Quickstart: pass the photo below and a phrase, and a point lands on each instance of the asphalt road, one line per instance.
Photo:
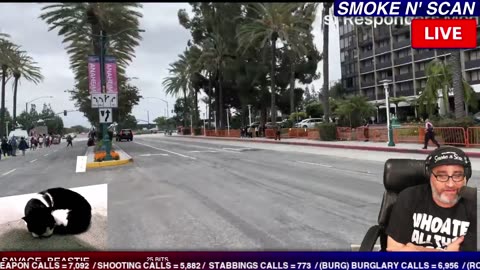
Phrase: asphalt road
(187, 194)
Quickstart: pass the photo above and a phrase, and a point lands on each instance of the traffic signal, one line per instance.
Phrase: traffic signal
(65, 112)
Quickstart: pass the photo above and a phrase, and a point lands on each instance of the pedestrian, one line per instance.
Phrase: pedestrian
(365, 130)
(40, 141)
(429, 134)
(69, 140)
(5, 147)
(32, 143)
(23, 146)
(14, 145)
(277, 130)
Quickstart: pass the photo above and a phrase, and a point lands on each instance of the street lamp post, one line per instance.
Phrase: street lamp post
(250, 114)
(166, 102)
(148, 119)
(387, 103)
(204, 128)
(215, 120)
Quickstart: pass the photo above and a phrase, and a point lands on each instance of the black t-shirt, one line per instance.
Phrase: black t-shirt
(417, 219)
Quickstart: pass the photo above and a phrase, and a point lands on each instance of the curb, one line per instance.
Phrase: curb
(108, 163)
(354, 147)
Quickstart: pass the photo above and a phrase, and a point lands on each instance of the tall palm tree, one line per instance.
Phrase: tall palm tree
(81, 24)
(439, 77)
(327, 7)
(23, 66)
(179, 81)
(7, 52)
(273, 22)
(458, 90)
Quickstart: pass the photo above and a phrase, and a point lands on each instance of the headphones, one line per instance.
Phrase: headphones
(467, 166)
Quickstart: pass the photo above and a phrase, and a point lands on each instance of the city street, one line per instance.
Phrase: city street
(182, 193)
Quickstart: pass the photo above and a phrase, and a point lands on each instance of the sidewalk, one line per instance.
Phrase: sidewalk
(414, 148)
(124, 158)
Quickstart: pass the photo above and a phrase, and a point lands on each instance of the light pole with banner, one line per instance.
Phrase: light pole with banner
(249, 114)
(387, 104)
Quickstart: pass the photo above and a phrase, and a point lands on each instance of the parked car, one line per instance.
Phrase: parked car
(125, 134)
(309, 123)
(56, 139)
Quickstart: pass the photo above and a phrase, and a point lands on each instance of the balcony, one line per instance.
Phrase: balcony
(384, 64)
(383, 49)
(381, 33)
(404, 77)
(443, 52)
(420, 74)
(403, 60)
(381, 94)
(370, 97)
(401, 44)
(366, 69)
(365, 42)
(472, 64)
(405, 93)
(365, 54)
(368, 83)
(423, 54)
(397, 30)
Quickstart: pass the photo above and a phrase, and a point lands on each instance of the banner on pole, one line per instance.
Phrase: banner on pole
(94, 82)
(111, 75)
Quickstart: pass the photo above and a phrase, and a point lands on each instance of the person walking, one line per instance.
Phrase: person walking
(69, 140)
(14, 145)
(23, 146)
(429, 134)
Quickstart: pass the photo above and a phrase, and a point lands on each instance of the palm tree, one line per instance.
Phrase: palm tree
(179, 81)
(439, 77)
(327, 6)
(273, 22)
(7, 52)
(81, 24)
(23, 66)
(458, 90)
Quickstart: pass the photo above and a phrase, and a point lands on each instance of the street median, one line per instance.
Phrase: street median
(122, 159)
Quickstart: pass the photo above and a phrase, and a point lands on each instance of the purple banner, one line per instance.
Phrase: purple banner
(94, 83)
(111, 74)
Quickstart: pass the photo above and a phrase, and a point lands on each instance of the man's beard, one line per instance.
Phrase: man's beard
(443, 198)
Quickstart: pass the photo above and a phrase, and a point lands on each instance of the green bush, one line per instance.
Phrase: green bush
(328, 131)
(448, 122)
(198, 131)
(407, 132)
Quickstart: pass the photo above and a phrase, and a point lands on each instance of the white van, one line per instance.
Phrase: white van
(18, 133)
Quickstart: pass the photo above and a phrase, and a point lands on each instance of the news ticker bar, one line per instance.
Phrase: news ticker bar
(238, 260)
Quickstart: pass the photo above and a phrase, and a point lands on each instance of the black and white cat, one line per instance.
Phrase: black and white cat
(57, 210)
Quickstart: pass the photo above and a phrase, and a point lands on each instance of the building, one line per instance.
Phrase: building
(369, 55)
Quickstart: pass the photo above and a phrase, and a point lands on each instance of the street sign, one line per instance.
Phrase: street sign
(106, 115)
(104, 100)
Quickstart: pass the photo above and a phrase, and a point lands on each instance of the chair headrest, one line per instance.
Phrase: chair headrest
(399, 174)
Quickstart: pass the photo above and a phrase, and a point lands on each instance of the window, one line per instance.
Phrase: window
(341, 29)
(403, 53)
(422, 84)
(421, 66)
(474, 75)
(405, 69)
(474, 55)
(383, 43)
(385, 74)
(367, 63)
(404, 86)
(342, 43)
(342, 56)
(384, 58)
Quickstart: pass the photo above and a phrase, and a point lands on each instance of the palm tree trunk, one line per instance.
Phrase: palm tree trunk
(210, 93)
(2, 109)
(220, 100)
(326, 29)
(292, 89)
(15, 87)
(458, 94)
(185, 108)
(196, 117)
(273, 111)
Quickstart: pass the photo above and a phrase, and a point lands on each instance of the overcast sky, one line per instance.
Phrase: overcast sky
(163, 40)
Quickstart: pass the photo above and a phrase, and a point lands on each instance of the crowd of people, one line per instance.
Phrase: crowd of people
(10, 146)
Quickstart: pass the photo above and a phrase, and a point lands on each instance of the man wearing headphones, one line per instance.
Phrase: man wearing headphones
(433, 216)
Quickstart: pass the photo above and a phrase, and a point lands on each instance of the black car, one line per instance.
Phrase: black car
(125, 134)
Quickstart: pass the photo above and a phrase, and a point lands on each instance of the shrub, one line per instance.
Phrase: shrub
(100, 156)
(198, 131)
(328, 131)
(448, 122)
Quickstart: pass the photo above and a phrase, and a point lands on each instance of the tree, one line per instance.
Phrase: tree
(129, 122)
(355, 109)
(327, 9)
(457, 84)
(7, 52)
(24, 66)
(275, 21)
(81, 24)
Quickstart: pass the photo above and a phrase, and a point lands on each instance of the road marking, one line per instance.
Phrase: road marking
(203, 151)
(9, 172)
(31, 161)
(171, 152)
(46, 154)
(149, 155)
(317, 164)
